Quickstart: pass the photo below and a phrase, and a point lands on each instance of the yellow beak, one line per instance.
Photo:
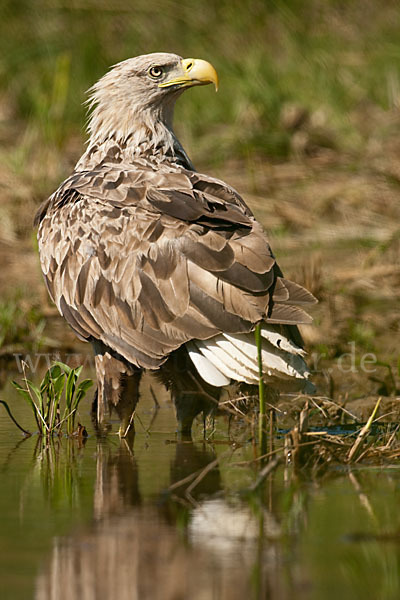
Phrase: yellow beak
(194, 72)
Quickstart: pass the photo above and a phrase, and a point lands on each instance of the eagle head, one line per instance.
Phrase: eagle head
(142, 91)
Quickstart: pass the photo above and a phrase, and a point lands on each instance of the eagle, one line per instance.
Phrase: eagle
(158, 266)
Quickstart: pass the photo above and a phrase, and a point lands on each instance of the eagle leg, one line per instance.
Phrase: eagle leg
(117, 389)
(187, 406)
(190, 393)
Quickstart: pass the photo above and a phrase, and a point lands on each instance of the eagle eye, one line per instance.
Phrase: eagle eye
(156, 72)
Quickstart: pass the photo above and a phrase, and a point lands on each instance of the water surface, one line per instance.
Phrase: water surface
(109, 519)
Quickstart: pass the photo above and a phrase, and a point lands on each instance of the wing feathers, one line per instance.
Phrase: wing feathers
(288, 315)
(215, 312)
(146, 260)
(155, 310)
(288, 291)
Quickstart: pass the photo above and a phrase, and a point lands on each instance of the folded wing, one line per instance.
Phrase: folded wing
(146, 261)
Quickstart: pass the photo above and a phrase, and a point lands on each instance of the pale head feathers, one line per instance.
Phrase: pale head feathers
(128, 98)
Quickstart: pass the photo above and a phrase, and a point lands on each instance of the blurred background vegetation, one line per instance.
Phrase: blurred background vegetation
(339, 58)
(305, 125)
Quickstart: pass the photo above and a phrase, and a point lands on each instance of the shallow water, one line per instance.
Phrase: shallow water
(108, 520)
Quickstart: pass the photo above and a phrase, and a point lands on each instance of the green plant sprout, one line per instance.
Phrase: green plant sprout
(59, 381)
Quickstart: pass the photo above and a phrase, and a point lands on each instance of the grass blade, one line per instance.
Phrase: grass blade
(13, 418)
(261, 393)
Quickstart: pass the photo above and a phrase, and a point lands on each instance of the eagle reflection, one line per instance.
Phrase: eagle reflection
(134, 549)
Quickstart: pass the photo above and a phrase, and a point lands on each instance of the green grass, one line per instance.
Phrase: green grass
(20, 322)
(337, 60)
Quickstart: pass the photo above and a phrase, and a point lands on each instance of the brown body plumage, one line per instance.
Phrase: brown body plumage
(143, 255)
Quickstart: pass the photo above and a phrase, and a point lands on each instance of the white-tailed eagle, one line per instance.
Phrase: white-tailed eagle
(161, 267)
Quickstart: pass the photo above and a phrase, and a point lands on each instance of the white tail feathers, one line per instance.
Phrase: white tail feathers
(227, 357)
(206, 368)
(280, 341)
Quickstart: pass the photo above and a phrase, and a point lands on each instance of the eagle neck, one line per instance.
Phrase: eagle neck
(149, 140)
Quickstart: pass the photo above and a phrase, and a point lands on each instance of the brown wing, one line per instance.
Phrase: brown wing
(145, 261)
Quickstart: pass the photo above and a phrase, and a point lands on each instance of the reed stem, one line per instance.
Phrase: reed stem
(261, 394)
